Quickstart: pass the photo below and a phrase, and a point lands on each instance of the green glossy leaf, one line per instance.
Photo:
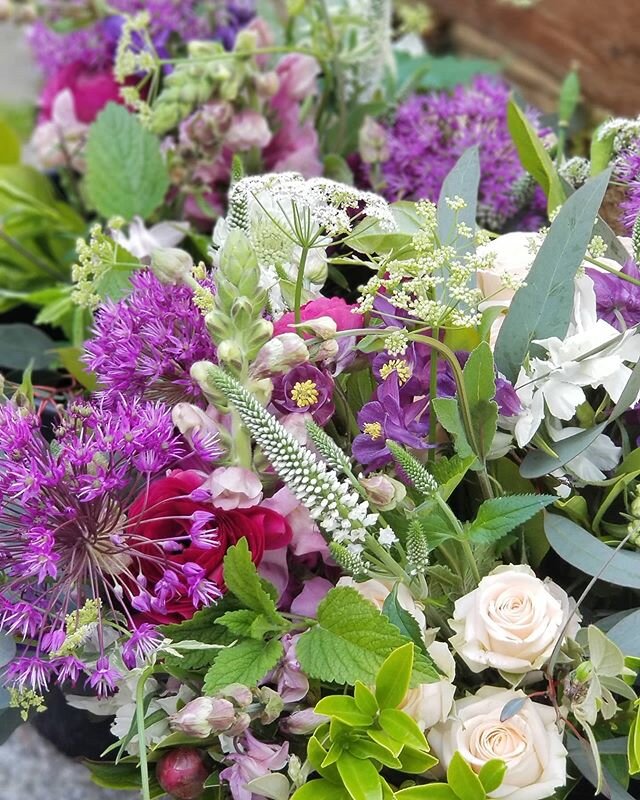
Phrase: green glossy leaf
(416, 762)
(601, 150)
(343, 708)
(533, 155)
(542, 308)
(401, 726)
(429, 791)
(320, 789)
(394, 746)
(633, 751)
(360, 778)
(499, 516)
(392, 680)
(316, 754)
(588, 554)
(126, 172)
(463, 780)
(21, 345)
(365, 748)
(246, 662)
(365, 699)
(492, 774)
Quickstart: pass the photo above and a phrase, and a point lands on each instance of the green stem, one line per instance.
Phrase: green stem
(34, 259)
(377, 550)
(433, 393)
(142, 744)
(455, 523)
(612, 270)
(297, 300)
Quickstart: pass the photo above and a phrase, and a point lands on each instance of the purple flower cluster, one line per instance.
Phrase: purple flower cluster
(617, 300)
(628, 171)
(430, 132)
(145, 344)
(63, 532)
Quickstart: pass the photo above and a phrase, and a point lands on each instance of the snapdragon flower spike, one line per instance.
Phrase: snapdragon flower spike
(337, 509)
(69, 553)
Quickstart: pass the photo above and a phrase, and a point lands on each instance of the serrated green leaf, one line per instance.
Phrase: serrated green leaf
(242, 579)
(449, 473)
(463, 780)
(542, 308)
(392, 680)
(202, 627)
(246, 662)
(402, 619)
(239, 622)
(126, 172)
(499, 516)
(351, 641)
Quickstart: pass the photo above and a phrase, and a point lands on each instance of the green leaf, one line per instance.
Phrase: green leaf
(492, 774)
(633, 751)
(394, 676)
(533, 156)
(320, 789)
(7, 649)
(480, 388)
(416, 762)
(499, 516)
(202, 627)
(337, 169)
(543, 307)
(605, 655)
(316, 754)
(360, 778)
(569, 97)
(242, 579)
(588, 554)
(345, 709)
(126, 172)
(450, 472)
(365, 699)
(239, 622)
(351, 641)
(448, 413)
(401, 726)
(429, 791)
(246, 662)
(9, 144)
(402, 619)
(70, 360)
(601, 150)
(21, 345)
(463, 181)
(365, 748)
(463, 780)
(371, 237)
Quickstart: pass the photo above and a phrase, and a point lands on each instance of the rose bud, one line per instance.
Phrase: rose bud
(281, 354)
(182, 773)
(171, 265)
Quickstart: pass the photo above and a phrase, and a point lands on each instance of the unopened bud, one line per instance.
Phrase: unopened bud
(267, 83)
(171, 265)
(383, 492)
(273, 705)
(327, 351)
(193, 719)
(322, 327)
(182, 773)
(281, 354)
(302, 722)
(239, 693)
(372, 142)
(584, 672)
(229, 352)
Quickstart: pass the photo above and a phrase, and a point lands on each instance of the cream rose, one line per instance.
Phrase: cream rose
(528, 742)
(431, 703)
(511, 622)
(378, 591)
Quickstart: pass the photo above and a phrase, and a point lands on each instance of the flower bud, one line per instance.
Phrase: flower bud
(193, 719)
(383, 492)
(239, 693)
(302, 723)
(327, 351)
(171, 265)
(372, 142)
(182, 773)
(229, 352)
(267, 84)
(281, 354)
(322, 327)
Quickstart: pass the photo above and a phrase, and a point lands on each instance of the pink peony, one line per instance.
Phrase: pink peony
(335, 307)
(91, 91)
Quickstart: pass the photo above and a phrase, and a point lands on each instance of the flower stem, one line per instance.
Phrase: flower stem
(142, 744)
(297, 300)
(433, 393)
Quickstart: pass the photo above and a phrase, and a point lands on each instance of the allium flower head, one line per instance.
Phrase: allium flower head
(430, 132)
(145, 344)
(67, 551)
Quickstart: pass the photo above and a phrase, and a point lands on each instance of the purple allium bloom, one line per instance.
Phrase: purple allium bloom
(617, 300)
(628, 170)
(104, 678)
(430, 132)
(144, 641)
(92, 46)
(64, 544)
(145, 344)
(388, 416)
(305, 389)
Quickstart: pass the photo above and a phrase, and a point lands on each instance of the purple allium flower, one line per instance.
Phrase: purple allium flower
(92, 46)
(628, 170)
(104, 678)
(430, 132)
(145, 344)
(144, 641)
(388, 416)
(305, 389)
(65, 549)
(617, 300)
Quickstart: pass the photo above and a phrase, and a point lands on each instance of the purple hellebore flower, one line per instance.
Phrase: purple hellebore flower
(305, 388)
(617, 300)
(388, 417)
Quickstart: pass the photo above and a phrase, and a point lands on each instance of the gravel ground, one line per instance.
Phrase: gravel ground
(32, 768)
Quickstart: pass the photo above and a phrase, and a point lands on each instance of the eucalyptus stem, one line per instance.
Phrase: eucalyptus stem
(297, 299)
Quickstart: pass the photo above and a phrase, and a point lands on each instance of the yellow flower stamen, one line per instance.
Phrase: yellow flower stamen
(373, 429)
(305, 394)
(399, 366)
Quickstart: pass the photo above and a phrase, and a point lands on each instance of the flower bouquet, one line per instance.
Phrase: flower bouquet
(340, 508)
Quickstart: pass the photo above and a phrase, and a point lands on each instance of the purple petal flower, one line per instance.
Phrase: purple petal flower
(617, 300)
(305, 389)
(144, 641)
(104, 678)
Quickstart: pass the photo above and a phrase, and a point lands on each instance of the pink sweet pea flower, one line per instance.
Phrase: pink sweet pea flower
(234, 487)
(252, 759)
(313, 592)
(292, 683)
(297, 74)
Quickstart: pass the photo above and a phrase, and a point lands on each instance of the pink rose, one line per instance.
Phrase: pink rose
(234, 487)
(334, 307)
(91, 91)
(248, 129)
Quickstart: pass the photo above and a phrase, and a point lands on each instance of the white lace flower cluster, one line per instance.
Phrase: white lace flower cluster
(285, 215)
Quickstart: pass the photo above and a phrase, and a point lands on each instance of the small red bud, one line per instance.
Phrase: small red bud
(182, 773)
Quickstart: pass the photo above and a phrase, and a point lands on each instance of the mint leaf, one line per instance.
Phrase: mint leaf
(403, 620)
(246, 662)
(498, 517)
(202, 627)
(126, 172)
(239, 622)
(449, 472)
(352, 640)
(242, 580)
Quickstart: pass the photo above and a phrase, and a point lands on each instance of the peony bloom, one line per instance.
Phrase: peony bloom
(430, 703)
(528, 742)
(511, 622)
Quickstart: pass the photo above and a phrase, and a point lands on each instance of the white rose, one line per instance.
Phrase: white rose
(378, 591)
(511, 622)
(431, 703)
(528, 742)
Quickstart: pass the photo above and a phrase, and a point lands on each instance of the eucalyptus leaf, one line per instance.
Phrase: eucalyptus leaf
(626, 634)
(463, 181)
(7, 649)
(21, 345)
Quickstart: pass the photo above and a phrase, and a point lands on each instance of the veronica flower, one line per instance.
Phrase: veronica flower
(68, 553)
(145, 344)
